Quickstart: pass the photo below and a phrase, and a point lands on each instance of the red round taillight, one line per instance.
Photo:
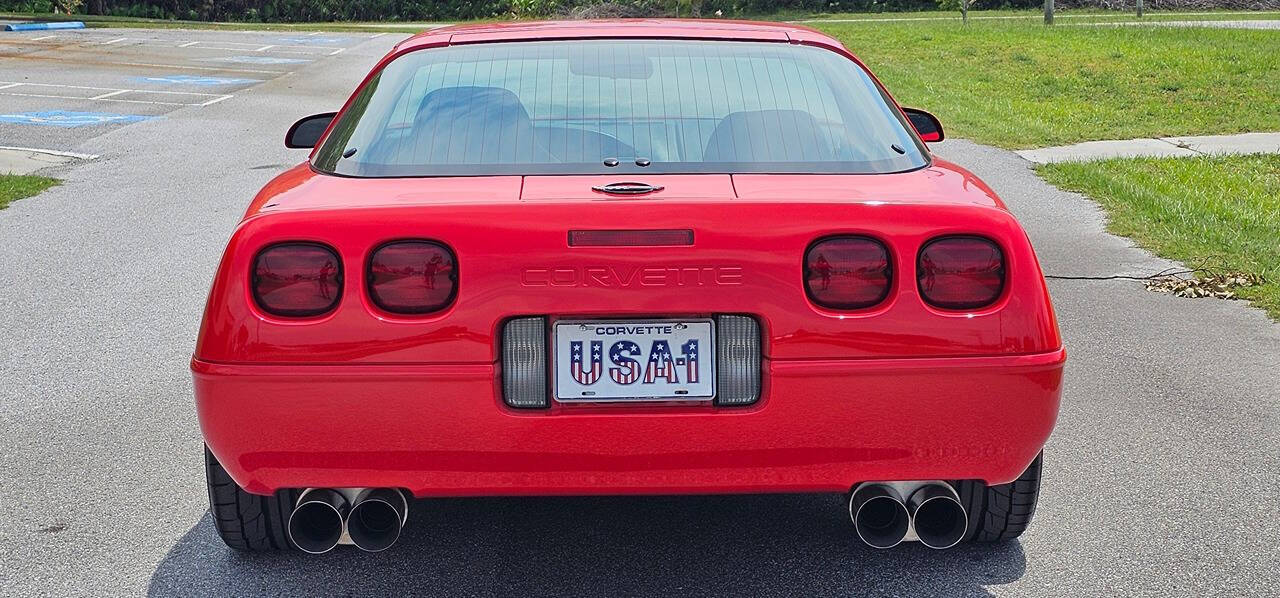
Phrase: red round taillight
(297, 279)
(412, 277)
(847, 272)
(960, 272)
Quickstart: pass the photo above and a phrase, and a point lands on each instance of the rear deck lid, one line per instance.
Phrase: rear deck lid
(627, 187)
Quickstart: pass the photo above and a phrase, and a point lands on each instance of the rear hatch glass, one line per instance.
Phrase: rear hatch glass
(619, 106)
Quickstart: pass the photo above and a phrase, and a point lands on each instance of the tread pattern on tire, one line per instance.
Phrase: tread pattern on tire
(247, 522)
(1002, 512)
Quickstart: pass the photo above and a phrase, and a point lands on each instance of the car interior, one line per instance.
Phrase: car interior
(485, 125)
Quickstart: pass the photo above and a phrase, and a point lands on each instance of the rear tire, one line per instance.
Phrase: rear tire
(245, 521)
(1003, 512)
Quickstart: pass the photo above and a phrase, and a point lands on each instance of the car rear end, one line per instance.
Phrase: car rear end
(718, 323)
(467, 393)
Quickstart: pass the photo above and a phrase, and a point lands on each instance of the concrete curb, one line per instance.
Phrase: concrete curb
(1244, 143)
(26, 160)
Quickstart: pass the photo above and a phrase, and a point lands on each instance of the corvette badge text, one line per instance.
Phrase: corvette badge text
(632, 276)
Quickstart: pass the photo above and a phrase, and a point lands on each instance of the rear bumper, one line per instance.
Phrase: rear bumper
(442, 430)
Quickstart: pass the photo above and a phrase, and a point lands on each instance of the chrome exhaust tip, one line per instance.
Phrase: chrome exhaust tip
(315, 526)
(939, 519)
(375, 521)
(878, 515)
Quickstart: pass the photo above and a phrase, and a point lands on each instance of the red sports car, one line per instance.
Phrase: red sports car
(629, 257)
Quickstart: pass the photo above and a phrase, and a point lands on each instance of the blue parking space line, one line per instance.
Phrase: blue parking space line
(43, 26)
(196, 80)
(70, 119)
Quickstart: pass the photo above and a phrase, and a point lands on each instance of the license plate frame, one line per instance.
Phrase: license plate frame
(566, 390)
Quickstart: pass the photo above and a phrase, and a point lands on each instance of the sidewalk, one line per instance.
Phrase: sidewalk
(1244, 24)
(1244, 143)
(26, 160)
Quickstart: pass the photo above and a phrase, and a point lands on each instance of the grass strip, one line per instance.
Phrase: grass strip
(1221, 213)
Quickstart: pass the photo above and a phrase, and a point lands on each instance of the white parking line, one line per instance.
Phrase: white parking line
(200, 68)
(336, 52)
(65, 86)
(242, 50)
(226, 46)
(57, 97)
(225, 69)
(243, 46)
(109, 94)
(215, 101)
(112, 94)
(318, 51)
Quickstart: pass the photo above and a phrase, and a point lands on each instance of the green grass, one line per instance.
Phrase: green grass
(1019, 84)
(1219, 212)
(14, 187)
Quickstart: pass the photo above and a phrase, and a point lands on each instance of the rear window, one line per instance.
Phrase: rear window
(611, 106)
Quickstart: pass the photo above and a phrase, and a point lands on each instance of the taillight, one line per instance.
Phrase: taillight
(960, 272)
(412, 277)
(847, 272)
(297, 279)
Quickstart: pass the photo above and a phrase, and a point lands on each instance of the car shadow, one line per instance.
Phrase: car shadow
(800, 544)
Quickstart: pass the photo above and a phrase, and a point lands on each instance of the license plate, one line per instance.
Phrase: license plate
(626, 360)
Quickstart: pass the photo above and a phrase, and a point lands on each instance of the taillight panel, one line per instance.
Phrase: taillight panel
(297, 279)
(960, 272)
(847, 272)
(412, 277)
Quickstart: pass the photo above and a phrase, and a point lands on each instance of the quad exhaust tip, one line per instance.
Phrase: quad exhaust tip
(879, 515)
(316, 524)
(370, 518)
(932, 511)
(937, 516)
(375, 521)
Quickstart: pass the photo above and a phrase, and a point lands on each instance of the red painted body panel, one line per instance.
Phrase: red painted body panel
(439, 430)
(515, 260)
(361, 397)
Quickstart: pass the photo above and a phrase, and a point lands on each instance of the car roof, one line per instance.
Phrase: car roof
(716, 29)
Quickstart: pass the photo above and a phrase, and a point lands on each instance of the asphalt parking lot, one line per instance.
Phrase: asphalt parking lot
(1162, 478)
(63, 87)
